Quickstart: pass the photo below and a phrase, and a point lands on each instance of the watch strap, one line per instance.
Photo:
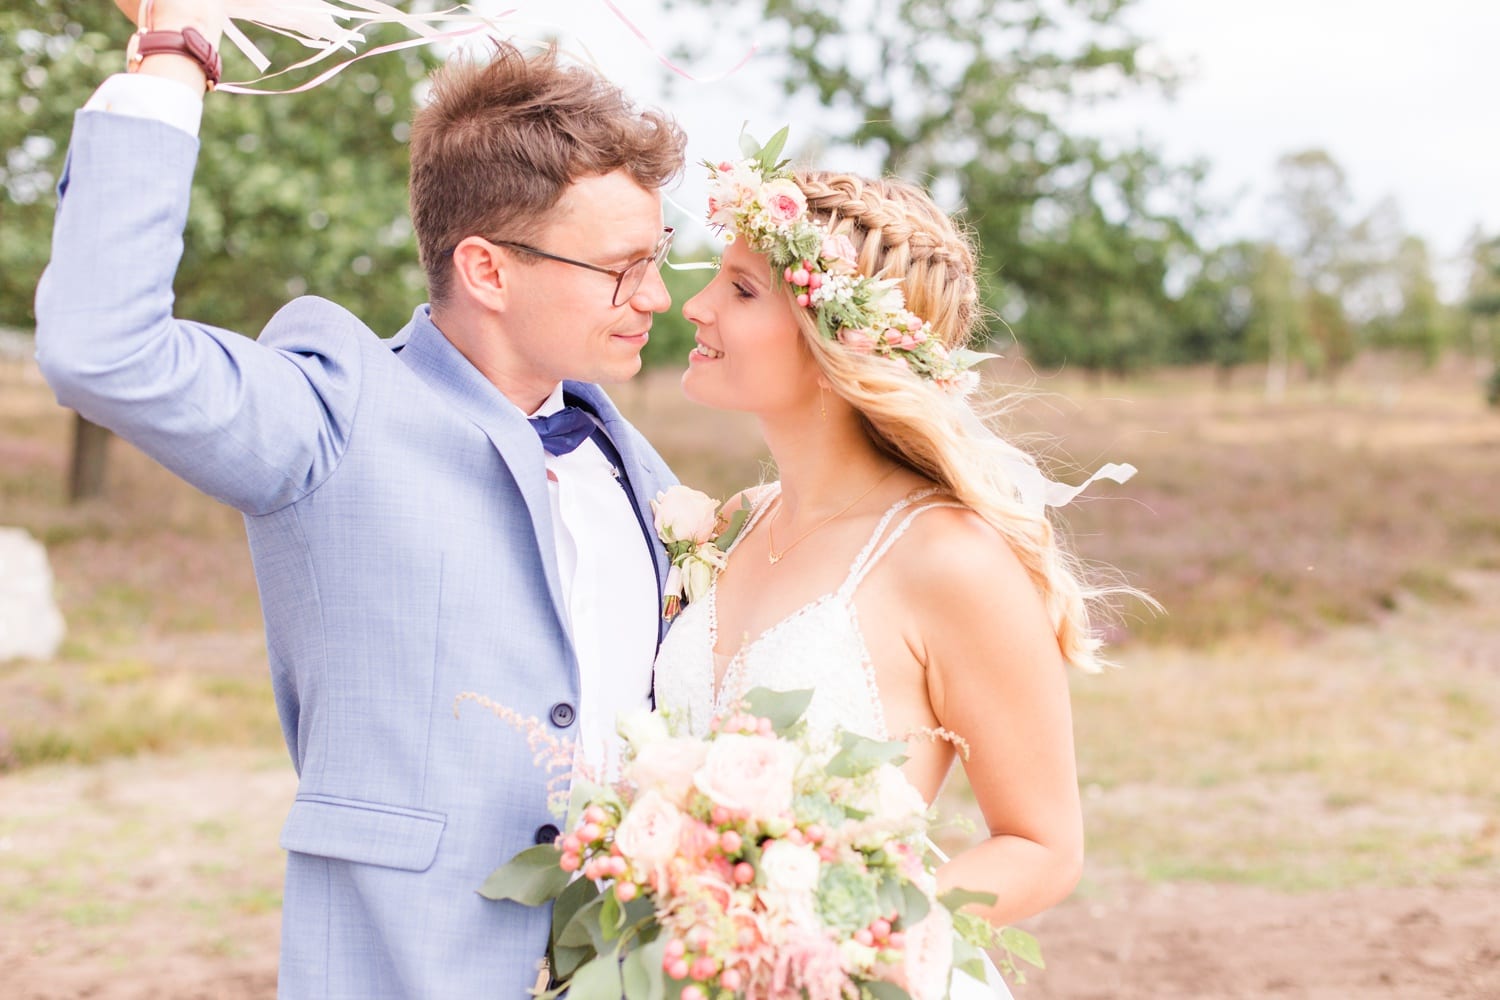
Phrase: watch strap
(188, 42)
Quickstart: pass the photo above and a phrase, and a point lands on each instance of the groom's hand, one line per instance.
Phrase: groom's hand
(173, 15)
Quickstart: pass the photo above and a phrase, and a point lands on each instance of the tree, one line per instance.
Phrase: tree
(1483, 307)
(293, 194)
(1311, 205)
(969, 96)
(1420, 326)
(1216, 311)
(1277, 327)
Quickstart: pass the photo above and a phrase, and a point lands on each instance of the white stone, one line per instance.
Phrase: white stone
(31, 626)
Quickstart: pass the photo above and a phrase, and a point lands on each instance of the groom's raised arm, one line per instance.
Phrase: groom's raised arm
(254, 426)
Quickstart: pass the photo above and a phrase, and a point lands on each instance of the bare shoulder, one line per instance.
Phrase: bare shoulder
(955, 563)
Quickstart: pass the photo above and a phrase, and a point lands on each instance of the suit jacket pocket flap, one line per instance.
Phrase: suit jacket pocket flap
(367, 833)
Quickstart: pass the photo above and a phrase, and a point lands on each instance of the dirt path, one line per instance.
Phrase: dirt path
(159, 877)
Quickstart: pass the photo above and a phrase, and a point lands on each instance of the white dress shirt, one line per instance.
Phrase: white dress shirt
(609, 583)
(143, 96)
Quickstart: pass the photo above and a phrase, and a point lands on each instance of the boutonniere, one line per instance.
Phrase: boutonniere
(697, 533)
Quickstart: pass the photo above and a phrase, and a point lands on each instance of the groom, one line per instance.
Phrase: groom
(414, 535)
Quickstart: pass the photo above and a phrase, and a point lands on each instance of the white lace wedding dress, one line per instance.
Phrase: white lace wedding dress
(819, 645)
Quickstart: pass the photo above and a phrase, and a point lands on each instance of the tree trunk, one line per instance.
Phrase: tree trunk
(1276, 366)
(90, 459)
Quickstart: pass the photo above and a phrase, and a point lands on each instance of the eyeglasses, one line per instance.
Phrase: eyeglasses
(627, 281)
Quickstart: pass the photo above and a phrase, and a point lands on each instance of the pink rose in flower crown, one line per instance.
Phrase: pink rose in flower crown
(649, 833)
(748, 774)
(783, 200)
(859, 340)
(840, 254)
(903, 339)
(667, 766)
(683, 514)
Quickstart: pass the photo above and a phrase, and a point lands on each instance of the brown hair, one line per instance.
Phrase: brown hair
(499, 142)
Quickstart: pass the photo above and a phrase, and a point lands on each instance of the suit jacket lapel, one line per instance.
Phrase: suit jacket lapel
(438, 363)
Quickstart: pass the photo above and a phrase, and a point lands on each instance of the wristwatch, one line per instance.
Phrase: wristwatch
(187, 42)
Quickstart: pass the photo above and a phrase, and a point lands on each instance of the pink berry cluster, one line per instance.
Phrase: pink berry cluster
(806, 276)
(587, 846)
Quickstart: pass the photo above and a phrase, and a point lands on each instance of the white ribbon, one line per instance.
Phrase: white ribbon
(1034, 489)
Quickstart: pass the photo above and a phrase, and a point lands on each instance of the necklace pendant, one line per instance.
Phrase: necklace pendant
(773, 557)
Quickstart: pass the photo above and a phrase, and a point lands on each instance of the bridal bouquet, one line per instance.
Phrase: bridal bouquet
(756, 862)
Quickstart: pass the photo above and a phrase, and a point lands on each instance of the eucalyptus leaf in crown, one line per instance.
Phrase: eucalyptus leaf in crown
(757, 198)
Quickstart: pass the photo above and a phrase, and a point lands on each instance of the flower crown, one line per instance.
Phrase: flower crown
(758, 198)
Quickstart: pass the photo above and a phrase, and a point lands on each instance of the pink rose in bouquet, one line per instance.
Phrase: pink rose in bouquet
(764, 865)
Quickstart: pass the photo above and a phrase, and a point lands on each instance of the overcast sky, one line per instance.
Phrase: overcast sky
(1403, 94)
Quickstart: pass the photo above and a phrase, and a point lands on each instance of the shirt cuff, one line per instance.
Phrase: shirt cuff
(153, 97)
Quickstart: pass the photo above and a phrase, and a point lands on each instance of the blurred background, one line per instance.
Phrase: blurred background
(1252, 249)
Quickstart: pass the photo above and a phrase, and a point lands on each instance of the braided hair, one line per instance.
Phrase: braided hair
(900, 234)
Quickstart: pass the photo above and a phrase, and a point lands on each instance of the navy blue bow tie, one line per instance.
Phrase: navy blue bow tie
(565, 430)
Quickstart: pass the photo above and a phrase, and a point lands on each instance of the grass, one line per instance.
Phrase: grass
(1318, 707)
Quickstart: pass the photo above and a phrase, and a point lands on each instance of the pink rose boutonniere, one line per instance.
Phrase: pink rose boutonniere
(697, 533)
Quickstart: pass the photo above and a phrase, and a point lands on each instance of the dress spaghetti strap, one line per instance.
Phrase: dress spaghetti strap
(880, 542)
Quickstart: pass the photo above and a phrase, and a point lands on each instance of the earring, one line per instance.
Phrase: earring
(823, 401)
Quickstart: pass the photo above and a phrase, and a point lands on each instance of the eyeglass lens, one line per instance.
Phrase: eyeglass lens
(632, 277)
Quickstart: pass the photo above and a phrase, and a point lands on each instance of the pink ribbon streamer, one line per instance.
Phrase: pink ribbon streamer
(312, 22)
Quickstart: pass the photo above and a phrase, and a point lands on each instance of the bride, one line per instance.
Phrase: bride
(902, 567)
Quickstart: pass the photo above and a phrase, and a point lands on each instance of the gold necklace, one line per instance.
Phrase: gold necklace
(775, 557)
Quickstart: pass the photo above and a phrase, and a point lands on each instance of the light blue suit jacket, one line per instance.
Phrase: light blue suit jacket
(397, 511)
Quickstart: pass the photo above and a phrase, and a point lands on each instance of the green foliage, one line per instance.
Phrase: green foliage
(531, 877)
(968, 97)
(293, 194)
(783, 708)
(1422, 325)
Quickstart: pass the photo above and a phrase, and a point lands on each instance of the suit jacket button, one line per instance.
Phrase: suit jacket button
(563, 715)
(547, 834)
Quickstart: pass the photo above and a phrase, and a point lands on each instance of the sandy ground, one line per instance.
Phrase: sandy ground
(159, 877)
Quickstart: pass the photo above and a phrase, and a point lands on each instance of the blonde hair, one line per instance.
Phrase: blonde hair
(900, 234)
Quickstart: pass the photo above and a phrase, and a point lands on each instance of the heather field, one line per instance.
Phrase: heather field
(1290, 782)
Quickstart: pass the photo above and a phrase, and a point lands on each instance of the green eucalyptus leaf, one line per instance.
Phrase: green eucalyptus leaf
(598, 980)
(749, 148)
(914, 904)
(566, 960)
(878, 990)
(967, 958)
(736, 525)
(770, 153)
(889, 894)
(610, 916)
(783, 708)
(531, 877)
(860, 755)
(584, 928)
(642, 971)
(955, 899)
(965, 358)
(579, 893)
